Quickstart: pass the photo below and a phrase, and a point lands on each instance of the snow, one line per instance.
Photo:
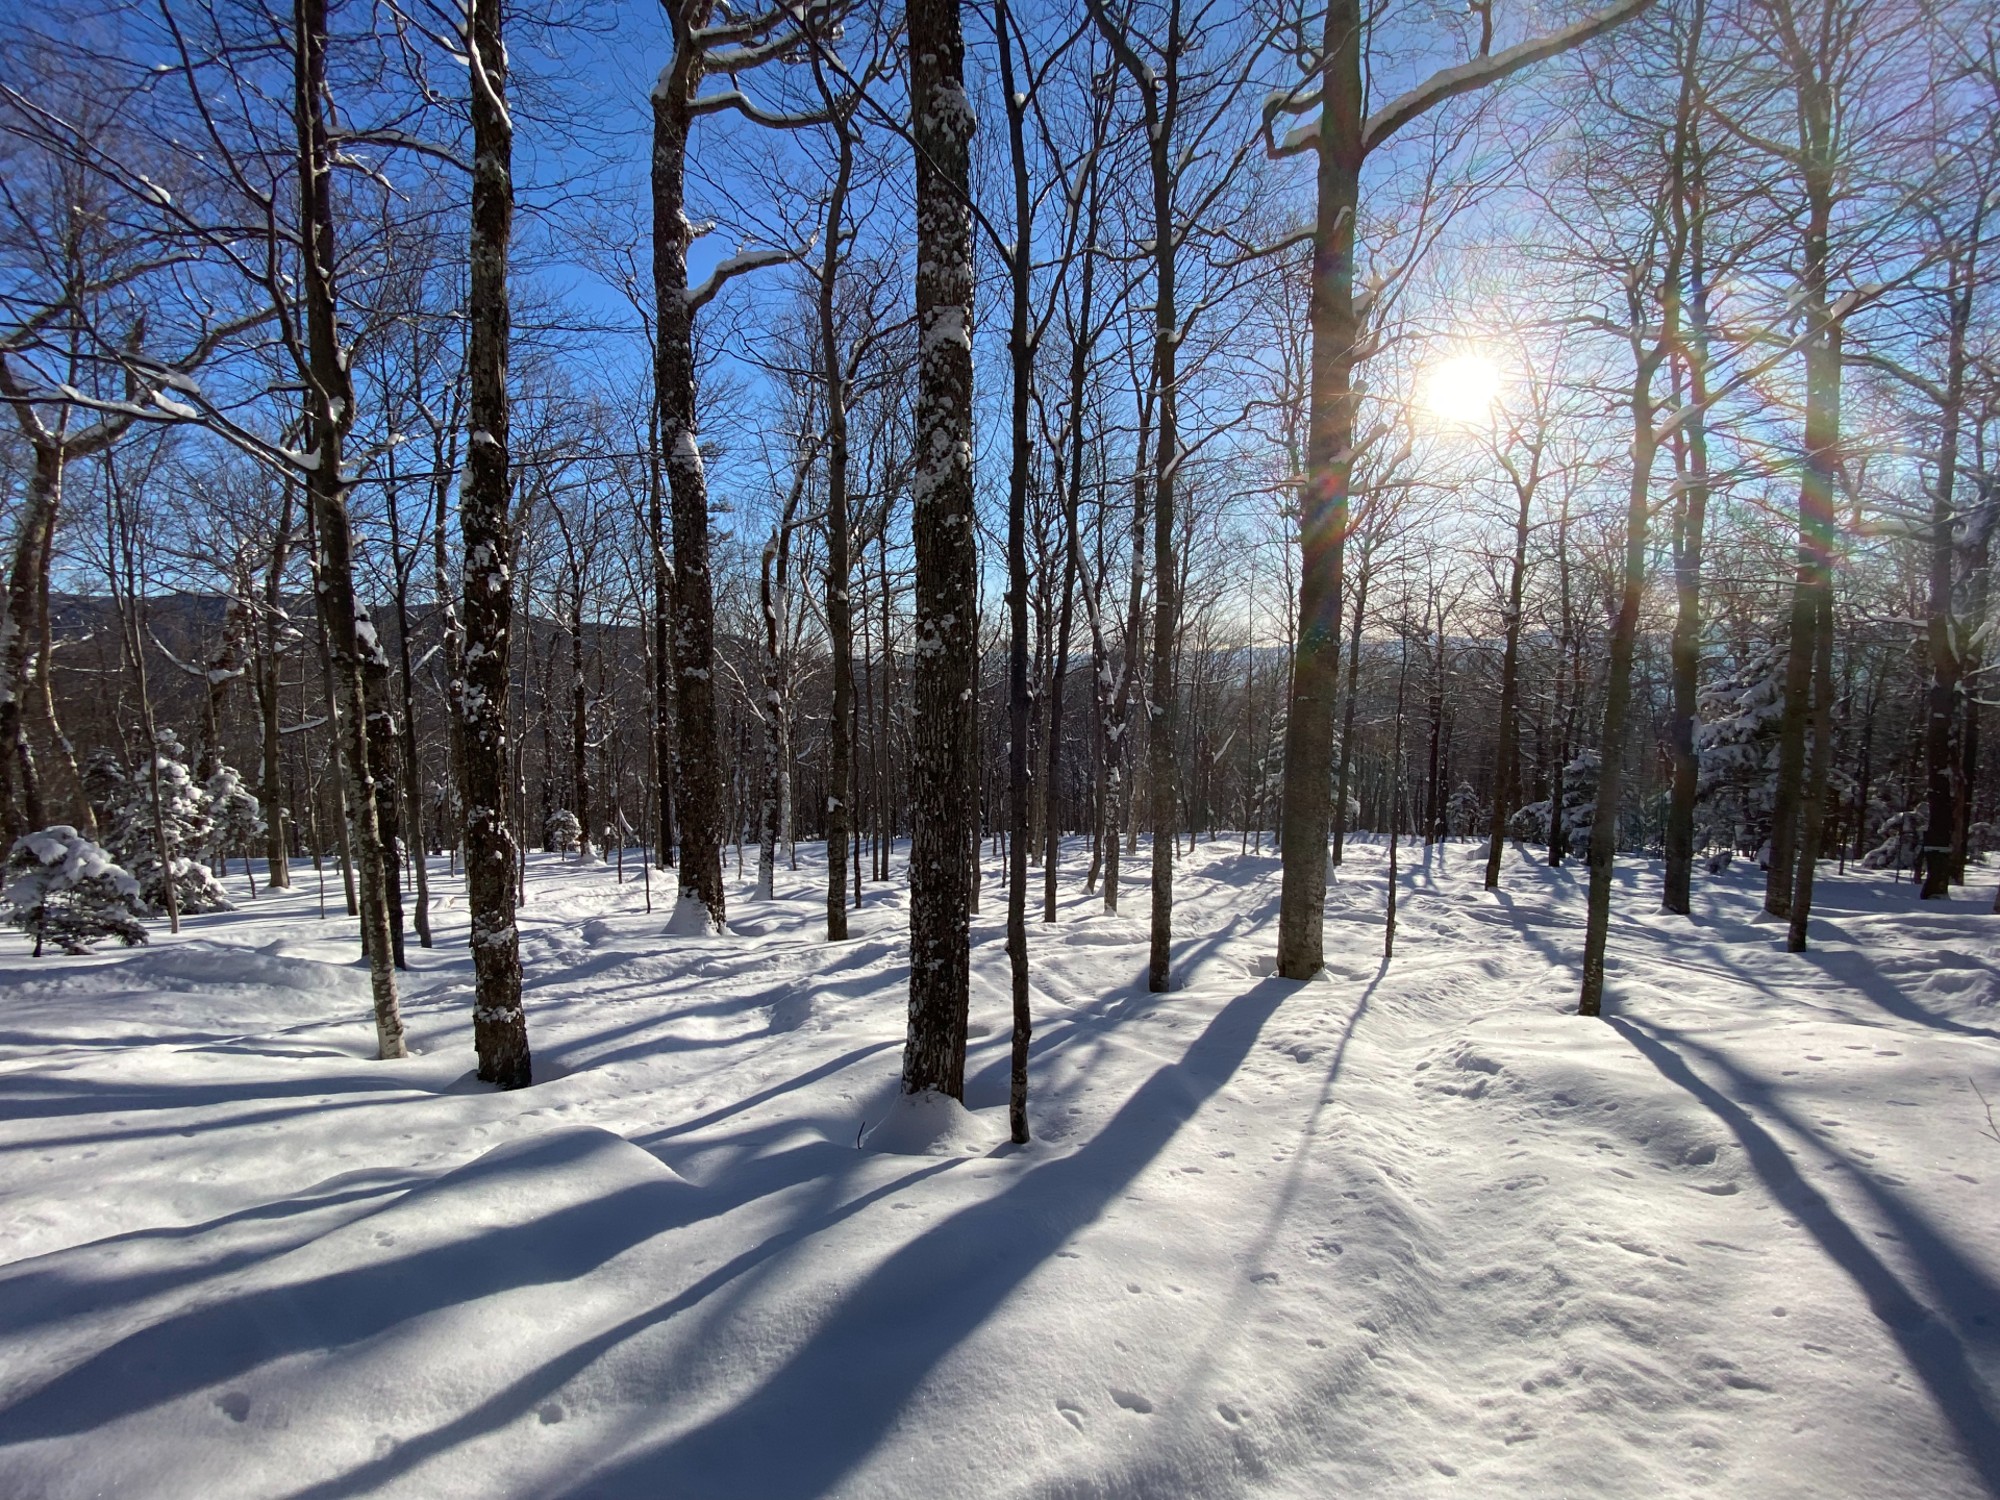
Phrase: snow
(1410, 1231)
(931, 1124)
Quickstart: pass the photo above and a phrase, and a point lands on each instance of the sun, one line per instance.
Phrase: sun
(1461, 390)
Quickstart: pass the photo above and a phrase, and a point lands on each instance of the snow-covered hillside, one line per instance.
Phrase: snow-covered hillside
(1405, 1231)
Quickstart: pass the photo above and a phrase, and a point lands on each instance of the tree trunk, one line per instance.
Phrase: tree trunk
(1617, 695)
(1021, 366)
(383, 737)
(1347, 725)
(1822, 432)
(1685, 652)
(20, 792)
(412, 777)
(1813, 815)
(579, 727)
(1507, 754)
(1305, 818)
(841, 824)
(1942, 765)
(943, 763)
(330, 412)
(499, 1025)
(699, 766)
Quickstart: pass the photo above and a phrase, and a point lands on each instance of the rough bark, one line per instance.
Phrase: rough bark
(1812, 820)
(1506, 759)
(1306, 815)
(1945, 792)
(1618, 691)
(499, 1025)
(698, 766)
(1816, 484)
(384, 740)
(329, 414)
(841, 825)
(944, 646)
(1352, 697)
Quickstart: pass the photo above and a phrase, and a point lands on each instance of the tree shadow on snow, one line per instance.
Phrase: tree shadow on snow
(821, 1414)
(1933, 1339)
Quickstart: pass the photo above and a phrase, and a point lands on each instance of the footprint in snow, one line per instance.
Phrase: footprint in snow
(235, 1405)
(1071, 1413)
(1132, 1401)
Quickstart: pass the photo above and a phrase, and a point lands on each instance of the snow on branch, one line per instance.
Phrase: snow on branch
(698, 297)
(744, 105)
(1482, 72)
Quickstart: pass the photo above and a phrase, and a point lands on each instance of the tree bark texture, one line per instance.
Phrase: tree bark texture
(500, 1025)
(944, 643)
(1305, 819)
(698, 767)
(329, 414)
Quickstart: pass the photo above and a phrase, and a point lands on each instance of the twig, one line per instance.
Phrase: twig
(1991, 1129)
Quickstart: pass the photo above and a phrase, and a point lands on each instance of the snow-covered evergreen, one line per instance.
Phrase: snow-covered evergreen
(236, 816)
(561, 832)
(63, 888)
(1901, 835)
(1464, 815)
(1736, 745)
(184, 813)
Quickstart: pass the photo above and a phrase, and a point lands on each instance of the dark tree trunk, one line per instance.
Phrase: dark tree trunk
(1688, 201)
(1942, 847)
(841, 825)
(330, 413)
(1306, 818)
(662, 652)
(20, 791)
(1021, 363)
(383, 738)
(499, 1025)
(1347, 725)
(1618, 691)
(1812, 818)
(698, 781)
(1507, 754)
(943, 790)
(412, 769)
(579, 725)
(1822, 431)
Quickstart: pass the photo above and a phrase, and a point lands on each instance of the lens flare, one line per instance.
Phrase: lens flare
(1461, 390)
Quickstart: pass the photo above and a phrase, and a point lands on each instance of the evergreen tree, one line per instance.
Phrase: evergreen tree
(183, 820)
(236, 815)
(1736, 745)
(63, 888)
(1579, 805)
(1463, 815)
(561, 832)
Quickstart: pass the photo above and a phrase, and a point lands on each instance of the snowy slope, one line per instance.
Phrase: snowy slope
(1405, 1231)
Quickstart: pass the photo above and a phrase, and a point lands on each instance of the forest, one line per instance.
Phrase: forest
(1135, 559)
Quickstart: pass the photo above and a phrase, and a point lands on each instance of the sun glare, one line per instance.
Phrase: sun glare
(1461, 390)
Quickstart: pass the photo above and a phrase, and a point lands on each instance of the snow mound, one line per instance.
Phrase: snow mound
(203, 967)
(930, 1124)
(689, 919)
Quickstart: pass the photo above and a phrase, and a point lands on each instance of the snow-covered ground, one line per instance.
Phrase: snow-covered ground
(1414, 1230)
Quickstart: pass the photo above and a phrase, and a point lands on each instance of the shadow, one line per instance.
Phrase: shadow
(26, 1096)
(47, 1289)
(816, 1418)
(1934, 1347)
(219, 1341)
(832, 1065)
(1857, 972)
